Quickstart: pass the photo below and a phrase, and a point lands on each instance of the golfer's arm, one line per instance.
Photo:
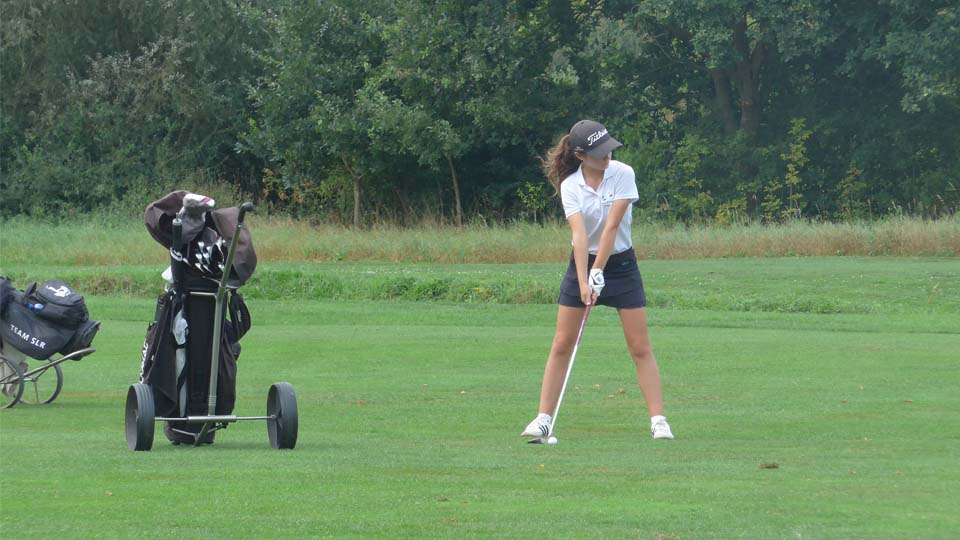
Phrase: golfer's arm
(580, 247)
(609, 233)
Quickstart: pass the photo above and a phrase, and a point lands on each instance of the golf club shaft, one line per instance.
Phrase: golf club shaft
(566, 378)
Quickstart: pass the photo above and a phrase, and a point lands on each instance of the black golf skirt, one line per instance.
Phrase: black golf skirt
(623, 289)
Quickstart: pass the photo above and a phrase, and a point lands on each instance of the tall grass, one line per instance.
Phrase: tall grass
(889, 237)
(110, 241)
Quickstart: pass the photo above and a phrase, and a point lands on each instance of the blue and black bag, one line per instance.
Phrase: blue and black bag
(44, 320)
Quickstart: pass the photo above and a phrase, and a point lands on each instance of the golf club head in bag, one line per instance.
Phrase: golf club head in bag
(208, 254)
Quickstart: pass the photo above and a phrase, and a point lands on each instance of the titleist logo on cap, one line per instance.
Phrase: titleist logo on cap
(594, 137)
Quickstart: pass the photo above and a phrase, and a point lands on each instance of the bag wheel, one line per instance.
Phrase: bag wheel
(11, 383)
(42, 386)
(282, 406)
(139, 417)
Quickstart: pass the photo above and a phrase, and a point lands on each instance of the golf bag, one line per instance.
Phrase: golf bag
(178, 348)
(213, 230)
(45, 320)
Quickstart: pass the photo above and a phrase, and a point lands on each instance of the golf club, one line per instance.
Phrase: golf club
(550, 439)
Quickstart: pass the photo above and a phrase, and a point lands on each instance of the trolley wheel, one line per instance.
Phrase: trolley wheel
(11, 382)
(139, 418)
(282, 407)
(41, 386)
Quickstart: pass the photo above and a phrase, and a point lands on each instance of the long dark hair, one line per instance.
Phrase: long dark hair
(560, 163)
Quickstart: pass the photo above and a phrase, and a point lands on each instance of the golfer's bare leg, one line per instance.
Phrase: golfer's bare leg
(638, 342)
(568, 325)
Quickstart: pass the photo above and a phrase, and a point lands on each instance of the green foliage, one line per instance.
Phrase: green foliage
(533, 197)
(784, 198)
(922, 40)
(307, 198)
(316, 126)
(155, 93)
(412, 110)
(850, 191)
(796, 159)
(694, 201)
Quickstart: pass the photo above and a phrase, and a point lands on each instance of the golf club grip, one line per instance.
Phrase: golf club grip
(244, 208)
(177, 233)
(176, 255)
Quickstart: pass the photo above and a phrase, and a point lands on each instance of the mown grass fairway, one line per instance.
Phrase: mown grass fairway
(811, 399)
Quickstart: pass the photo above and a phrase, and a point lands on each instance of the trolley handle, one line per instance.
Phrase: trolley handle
(218, 319)
(244, 208)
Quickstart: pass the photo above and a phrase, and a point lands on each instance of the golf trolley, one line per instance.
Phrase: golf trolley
(189, 357)
(33, 386)
(35, 325)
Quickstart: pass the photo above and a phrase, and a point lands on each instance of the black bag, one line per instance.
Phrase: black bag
(200, 316)
(199, 313)
(45, 320)
(33, 335)
(82, 337)
(60, 304)
(7, 295)
(157, 358)
(239, 316)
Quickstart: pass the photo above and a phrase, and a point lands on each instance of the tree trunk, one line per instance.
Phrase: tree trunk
(356, 202)
(404, 206)
(723, 101)
(357, 178)
(456, 191)
(747, 79)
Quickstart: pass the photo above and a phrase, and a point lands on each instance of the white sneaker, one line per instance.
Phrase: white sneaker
(539, 427)
(659, 428)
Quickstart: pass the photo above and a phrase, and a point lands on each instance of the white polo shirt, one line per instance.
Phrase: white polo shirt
(619, 182)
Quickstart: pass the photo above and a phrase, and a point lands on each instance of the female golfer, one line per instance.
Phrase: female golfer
(598, 195)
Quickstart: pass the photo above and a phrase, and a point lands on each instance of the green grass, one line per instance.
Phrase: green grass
(107, 240)
(840, 372)
(851, 285)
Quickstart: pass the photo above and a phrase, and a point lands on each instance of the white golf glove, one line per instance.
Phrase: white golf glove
(596, 281)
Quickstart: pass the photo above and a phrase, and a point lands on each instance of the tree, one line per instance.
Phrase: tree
(311, 119)
(105, 97)
(735, 41)
(363, 111)
(473, 82)
(920, 39)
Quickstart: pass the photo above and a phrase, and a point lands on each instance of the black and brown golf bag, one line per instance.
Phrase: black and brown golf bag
(177, 351)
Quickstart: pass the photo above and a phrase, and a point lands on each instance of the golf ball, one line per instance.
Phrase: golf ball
(552, 440)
